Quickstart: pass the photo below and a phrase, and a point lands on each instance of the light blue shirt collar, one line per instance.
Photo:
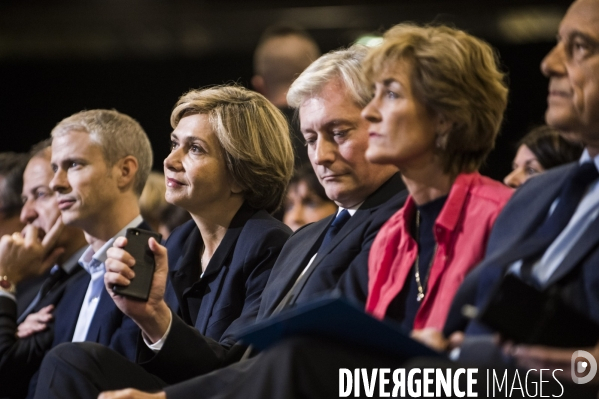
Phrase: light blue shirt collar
(587, 158)
(90, 261)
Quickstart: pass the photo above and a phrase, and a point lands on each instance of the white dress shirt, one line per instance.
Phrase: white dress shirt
(93, 263)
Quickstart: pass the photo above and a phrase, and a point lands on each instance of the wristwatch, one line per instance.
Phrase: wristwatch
(7, 286)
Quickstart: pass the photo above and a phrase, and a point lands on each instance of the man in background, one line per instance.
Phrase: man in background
(45, 245)
(12, 166)
(282, 54)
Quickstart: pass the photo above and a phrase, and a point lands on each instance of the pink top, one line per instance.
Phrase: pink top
(461, 232)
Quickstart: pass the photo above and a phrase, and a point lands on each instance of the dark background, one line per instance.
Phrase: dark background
(139, 56)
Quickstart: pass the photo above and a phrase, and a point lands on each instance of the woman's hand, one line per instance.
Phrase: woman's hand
(435, 339)
(432, 338)
(35, 322)
(153, 316)
(131, 394)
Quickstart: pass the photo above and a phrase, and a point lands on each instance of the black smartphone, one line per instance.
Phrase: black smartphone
(137, 246)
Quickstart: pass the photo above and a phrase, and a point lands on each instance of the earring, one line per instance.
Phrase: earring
(441, 141)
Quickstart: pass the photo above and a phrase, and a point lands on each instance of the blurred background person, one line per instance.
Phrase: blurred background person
(156, 211)
(542, 148)
(12, 166)
(171, 217)
(306, 200)
(282, 54)
(152, 199)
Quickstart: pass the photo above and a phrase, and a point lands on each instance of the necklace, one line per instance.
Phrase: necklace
(419, 283)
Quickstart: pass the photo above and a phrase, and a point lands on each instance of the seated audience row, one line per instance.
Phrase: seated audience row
(413, 223)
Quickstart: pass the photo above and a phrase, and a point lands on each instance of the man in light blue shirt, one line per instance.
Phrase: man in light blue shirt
(101, 160)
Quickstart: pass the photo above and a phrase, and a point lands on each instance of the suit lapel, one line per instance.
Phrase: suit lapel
(291, 262)
(105, 307)
(356, 220)
(67, 310)
(227, 245)
(187, 271)
(514, 247)
(587, 242)
(376, 199)
(352, 223)
(193, 306)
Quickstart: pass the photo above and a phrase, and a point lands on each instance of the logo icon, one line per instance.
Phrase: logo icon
(580, 367)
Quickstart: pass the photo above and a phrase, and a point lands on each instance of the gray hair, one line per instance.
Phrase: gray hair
(117, 134)
(345, 64)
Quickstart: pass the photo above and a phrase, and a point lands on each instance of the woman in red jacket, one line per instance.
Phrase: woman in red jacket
(438, 104)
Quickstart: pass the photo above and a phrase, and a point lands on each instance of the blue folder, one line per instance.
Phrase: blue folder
(336, 319)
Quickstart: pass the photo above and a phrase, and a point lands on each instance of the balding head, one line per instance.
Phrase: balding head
(281, 55)
(573, 71)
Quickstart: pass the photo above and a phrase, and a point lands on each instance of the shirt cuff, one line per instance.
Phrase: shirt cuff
(8, 295)
(157, 346)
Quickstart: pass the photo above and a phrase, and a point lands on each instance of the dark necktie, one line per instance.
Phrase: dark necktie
(569, 198)
(332, 231)
(334, 228)
(46, 286)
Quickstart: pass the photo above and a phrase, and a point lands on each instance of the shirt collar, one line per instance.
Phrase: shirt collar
(587, 158)
(73, 260)
(351, 210)
(90, 260)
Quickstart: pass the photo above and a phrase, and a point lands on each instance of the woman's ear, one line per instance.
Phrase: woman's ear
(235, 187)
(127, 170)
(443, 128)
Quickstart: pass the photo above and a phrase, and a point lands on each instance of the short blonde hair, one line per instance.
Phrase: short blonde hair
(455, 75)
(118, 135)
(254, 136)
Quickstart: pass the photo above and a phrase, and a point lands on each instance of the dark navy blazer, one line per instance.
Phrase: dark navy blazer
(577, 277)
(209, 310)
(342, 265)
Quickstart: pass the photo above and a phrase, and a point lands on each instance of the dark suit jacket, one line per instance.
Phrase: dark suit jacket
(21, 358)
(208, 312)
(577, 277)
(347, 251)
(342, 265)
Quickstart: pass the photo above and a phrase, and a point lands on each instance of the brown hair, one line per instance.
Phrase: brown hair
(254, 136)
(456, 75)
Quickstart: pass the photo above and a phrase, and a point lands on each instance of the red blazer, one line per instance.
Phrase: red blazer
(461, 232)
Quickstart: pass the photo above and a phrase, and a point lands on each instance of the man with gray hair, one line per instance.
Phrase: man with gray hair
(329, 254)
(100, 161)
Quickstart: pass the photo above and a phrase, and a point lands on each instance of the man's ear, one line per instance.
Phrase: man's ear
(127, 170)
